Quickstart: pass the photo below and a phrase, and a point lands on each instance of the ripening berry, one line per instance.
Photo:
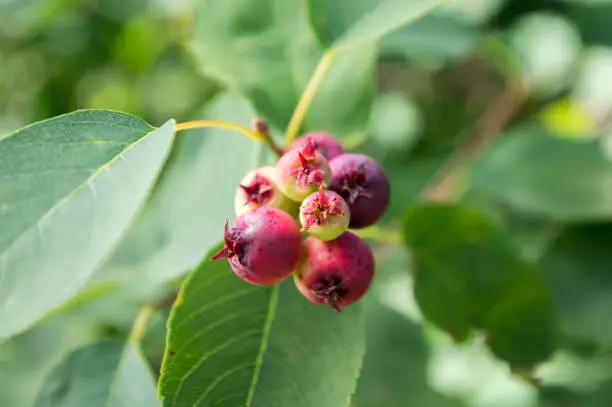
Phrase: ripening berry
(325, 143)
(363, 184)
(324, 214)
(337, 272)
(302, 171)
(263, 246)
(258, 188)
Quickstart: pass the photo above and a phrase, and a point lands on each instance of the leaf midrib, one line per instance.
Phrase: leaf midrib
(273, 305)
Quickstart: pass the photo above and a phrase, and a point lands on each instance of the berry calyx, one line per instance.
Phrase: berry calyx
(324, 214)
(325, 143)
(337, 272)
(364, 185)
(263, 246)
(258, 188)
(301, 172)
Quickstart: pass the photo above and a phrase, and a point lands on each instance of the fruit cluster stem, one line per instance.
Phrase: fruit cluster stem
(141, 323)
(308, 95)
(198, 124)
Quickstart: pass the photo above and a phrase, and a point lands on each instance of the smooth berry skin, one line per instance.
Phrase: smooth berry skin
(259, 188)
(364, 185)
(302, 171)
(325, 143)
(337, 272)
(263, 246)
(324, 214)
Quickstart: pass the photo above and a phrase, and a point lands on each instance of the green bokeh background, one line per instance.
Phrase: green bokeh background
(546, 178)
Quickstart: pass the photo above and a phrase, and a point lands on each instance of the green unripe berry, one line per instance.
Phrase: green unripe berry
(324, 215)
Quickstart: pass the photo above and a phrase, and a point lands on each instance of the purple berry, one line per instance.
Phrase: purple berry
(263, 246)
(258, 188)
(337, 272)
(302, 171)
(363, 184)
(325, 143)
(324, 214)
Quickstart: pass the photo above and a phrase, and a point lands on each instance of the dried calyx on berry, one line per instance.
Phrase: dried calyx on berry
(263, 246)
(336, 272)
(325, 143)
(258, 188)
(302, 171)
(324, 214)
(364, 185)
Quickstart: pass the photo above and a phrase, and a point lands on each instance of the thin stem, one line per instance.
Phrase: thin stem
(197, 124)
(444, 184)
(380, 234)
(493, 121)
(263, 131)
(141, 323)
(308, 95)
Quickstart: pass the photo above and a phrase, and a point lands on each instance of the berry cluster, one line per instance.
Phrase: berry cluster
(328, 191)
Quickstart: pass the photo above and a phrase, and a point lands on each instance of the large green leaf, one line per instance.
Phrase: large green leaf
(434, 38)
(195, 193)
(395, 367)
(108, 373)
(27, 359)
(231, 343)
(549, 176)
(69, 187)
(350, 22)
(266, 50)
(577, 266)
(468, 276)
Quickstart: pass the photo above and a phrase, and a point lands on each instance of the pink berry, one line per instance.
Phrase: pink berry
(337, 272)
(364, 185)
(325, 143)
(263, 246)
(324, 214)
(302, 171)
(258, 188)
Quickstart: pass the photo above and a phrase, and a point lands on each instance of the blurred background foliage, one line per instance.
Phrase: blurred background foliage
(533, 77)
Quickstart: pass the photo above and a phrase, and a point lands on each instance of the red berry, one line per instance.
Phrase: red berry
(325, 143)
(263, 246)
(364, 185)
(301, 172)
(258, 188)
(337, 272)
(324, 214)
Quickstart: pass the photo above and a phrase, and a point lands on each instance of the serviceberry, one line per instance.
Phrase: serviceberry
(301, 171)
(363, 184)
(336, 272)
(324, 214)
(325, 143)
(258, 188)
(263, 246)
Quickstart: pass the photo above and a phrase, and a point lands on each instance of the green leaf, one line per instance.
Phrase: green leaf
(231, 343)
(548, 176)
(434, 38)
(108, 373)
(468, 276)
(69, 187)
(350, 22)
(266, 50)
(395, 368)
(27, 359)
(184, 216)
(577, 267)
